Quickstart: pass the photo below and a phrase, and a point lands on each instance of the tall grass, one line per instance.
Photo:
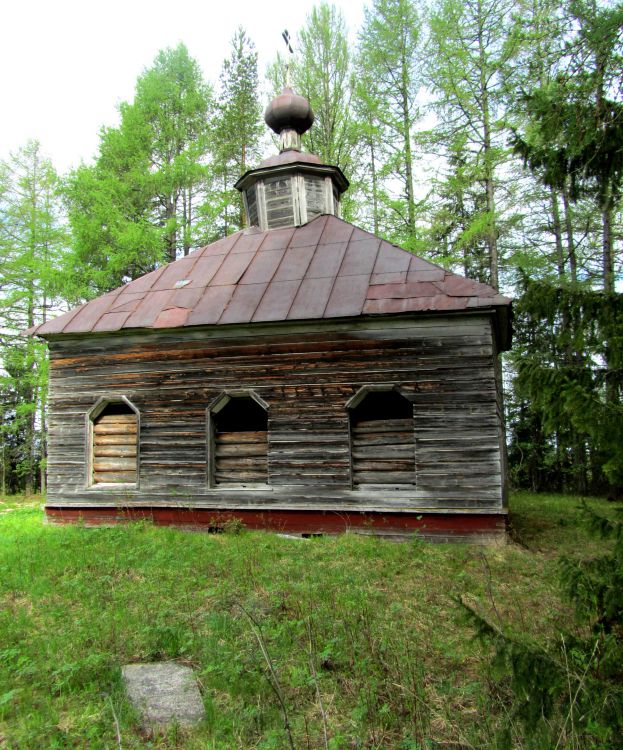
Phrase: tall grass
(335, 642)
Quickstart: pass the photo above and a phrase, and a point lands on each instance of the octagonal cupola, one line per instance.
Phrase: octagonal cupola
(292, 187)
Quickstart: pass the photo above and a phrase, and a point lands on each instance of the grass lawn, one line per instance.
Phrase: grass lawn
(367, 640)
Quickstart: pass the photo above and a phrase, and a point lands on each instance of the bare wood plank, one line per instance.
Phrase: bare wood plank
(100, 451)
(231, 464)
(389, 438)
(115, 464)
(114, 440)
(382, 466)
(116, 419)
(115, 429)
(109, 476)
(395, 477)
(242, 450)
(382, 425)
(241, 477)
(242, 437)
(386, 451)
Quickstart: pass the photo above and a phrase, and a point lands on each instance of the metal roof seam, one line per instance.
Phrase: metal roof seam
(376, 258)
(127, 315)
(324, 310)
(270, 281)
(100, 316)
(242, 275)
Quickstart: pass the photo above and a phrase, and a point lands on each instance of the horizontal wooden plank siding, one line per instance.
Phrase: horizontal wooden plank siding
(306, 375)
(115, 448)
(241, 457)
(383, 452)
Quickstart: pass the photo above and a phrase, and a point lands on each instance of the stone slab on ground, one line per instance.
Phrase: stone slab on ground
(164, 693)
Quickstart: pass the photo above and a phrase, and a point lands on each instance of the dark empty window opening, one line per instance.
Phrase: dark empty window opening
(115, 441)
(383, 440)
(240, 439)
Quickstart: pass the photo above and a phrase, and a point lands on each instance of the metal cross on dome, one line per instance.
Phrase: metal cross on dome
(287, 39)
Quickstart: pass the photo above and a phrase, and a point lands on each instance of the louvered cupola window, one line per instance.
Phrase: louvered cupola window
(279, 203)
(315, 196)
(251, 196)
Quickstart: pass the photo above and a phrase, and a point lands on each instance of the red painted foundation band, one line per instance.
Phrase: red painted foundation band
(292, 521)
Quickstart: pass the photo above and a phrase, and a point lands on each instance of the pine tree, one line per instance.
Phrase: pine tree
(568, 379)
(574, 123)
(568, 692)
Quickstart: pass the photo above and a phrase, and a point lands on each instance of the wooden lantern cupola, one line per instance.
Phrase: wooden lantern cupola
(292, 187)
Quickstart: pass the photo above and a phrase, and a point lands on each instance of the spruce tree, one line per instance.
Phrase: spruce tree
(237, 129)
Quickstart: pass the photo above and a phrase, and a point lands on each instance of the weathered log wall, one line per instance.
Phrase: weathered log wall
(306, 374)
(383, 452)
(240, 457)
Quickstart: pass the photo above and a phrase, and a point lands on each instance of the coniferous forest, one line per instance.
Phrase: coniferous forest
(484, 135)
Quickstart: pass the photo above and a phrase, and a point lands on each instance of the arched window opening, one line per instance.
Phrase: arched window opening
(382, 440)
(114, 445)
(240, 442)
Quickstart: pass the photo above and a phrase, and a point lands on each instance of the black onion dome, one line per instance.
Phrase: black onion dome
(289, 111)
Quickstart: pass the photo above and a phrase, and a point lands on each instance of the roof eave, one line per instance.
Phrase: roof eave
(253, 175)
(501, 314)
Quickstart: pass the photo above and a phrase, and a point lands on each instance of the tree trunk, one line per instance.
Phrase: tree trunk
(560, 260)
(607, 244)
(406, 127)
(573, 264)
(375, 188)
(3, 470)
(186, 220)
(242, 221)
(489, 169)
(171, 235)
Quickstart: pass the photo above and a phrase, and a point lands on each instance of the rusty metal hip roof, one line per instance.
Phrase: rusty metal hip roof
(327, 268)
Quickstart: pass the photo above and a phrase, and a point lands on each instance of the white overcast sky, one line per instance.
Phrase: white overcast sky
(65, 65)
